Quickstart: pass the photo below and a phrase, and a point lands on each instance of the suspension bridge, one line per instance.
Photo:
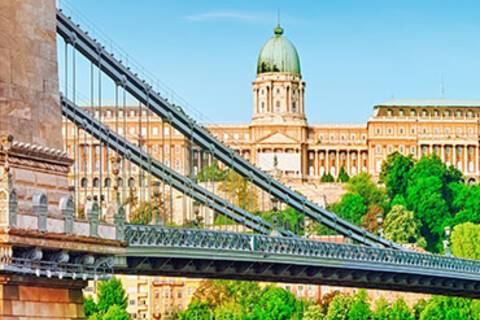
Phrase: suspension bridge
(56, 236)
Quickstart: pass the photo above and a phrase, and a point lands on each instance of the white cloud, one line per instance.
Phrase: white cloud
(225, 15)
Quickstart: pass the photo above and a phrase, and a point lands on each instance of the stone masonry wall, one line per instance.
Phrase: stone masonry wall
(29, 102)
(61, 300)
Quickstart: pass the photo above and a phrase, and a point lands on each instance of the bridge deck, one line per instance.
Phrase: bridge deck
(156, 250)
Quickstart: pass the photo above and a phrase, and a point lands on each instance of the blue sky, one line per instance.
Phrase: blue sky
(353, 53)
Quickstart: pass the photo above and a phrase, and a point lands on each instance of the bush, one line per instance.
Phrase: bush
(327, 178)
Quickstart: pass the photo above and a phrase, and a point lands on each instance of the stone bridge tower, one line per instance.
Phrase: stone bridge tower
(46, 255)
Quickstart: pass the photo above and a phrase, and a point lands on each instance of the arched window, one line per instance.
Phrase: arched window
(84, 183)
(294, 106)
(413, 113)
(424, 113)
(131, 182)
(120, 182)
(96, 182)
(108, 183)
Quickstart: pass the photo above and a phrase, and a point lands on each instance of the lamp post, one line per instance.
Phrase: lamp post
(380, 224)
(446, 242)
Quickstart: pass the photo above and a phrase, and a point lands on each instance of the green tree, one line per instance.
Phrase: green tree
(313, 312)
(425, 198)
(400, 311)
(211, 173)
(339, 308)
(395, 170)
(196, 310)
(229, 311)
(448, 308)
(289, 219)
(400, 226)
(327, 177)
(111, 293)
(277, 304)
(211, 292)
(239, 191)
(360, 307)
(465, 203)
(89, 306)
(363, 185)
(115, 312)
(343, 175)
(418, 308)
(351, 207)
(382, 309)
(465, 241)
(370, 219)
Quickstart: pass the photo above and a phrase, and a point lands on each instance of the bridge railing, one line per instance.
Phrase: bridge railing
(155, 236)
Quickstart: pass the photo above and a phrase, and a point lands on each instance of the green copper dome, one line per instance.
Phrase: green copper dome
(278, 55)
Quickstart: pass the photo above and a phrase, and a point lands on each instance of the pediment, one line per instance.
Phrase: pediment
(277, 138)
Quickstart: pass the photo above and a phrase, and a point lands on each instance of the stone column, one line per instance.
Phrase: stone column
(358, 162)
(465, 159)
(454, 149)
(348, 163)
(327, 161)
(337, 161)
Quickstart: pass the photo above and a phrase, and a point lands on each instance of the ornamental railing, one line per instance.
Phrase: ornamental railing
(158, 236)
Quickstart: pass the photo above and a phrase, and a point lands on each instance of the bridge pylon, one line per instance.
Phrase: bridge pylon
(47, 254)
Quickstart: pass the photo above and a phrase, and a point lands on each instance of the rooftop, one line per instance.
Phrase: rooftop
(430, 103)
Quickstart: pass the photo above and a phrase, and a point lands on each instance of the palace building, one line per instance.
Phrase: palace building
(279, 134)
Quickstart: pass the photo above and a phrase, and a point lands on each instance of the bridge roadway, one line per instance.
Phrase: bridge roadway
(156, 250)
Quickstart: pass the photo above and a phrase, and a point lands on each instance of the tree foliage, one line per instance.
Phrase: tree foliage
(212, 172)
(327, 177)
(360, 308)
(339, 308)
(370, 219)
(363, 185)
(289, 219)
(395, 173)
(115, 312)
(351, 207)
(400, 311)
(111, 302)
(465, 241)
(239, 191)
(343, 175)
(277, 304)
(400, 225)
(313, 312)
(196, 310)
